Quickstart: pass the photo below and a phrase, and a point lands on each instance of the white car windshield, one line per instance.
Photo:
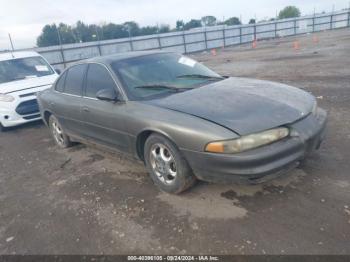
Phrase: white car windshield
(23, 68)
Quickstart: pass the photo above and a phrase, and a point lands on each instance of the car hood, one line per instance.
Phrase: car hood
(29, 83)
(242, 105)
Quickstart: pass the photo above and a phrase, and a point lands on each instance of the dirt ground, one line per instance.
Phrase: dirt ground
(87, 201)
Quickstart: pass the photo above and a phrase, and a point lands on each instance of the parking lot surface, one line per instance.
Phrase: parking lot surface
(85, 200)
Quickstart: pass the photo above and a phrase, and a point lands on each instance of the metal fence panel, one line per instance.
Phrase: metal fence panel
(198, 39)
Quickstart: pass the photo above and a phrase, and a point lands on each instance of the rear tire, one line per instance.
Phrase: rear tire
(60, 137)
(168, 169)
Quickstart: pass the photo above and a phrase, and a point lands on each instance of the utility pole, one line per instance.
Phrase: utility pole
(332, 16)
(61, 49)
(98, 39)
(13, 49)
(59, 36)
(158, 37)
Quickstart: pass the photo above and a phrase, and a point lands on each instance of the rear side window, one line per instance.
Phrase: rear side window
(98, 78)
(74, 80)
(60, 83)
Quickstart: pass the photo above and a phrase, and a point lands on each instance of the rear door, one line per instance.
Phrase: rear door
(104, 121)
(66, 105)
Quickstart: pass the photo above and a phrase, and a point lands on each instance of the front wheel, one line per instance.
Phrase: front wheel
(61, 139)
(168, 168)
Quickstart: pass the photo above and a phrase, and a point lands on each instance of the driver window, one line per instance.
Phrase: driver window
(98, 78)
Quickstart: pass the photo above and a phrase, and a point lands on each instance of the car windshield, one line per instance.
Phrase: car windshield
(149, 76)
(23, 68)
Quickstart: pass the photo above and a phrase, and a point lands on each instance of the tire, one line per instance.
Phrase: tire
(61, 139)
(168, 169)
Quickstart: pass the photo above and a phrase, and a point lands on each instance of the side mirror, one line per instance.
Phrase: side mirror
(58, 71)
(107, 95)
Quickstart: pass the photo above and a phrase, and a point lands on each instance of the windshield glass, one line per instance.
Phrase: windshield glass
(23, 68)
(148, 76)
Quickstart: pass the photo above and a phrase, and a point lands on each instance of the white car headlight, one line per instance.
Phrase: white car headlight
(6, 98)
(247, 142)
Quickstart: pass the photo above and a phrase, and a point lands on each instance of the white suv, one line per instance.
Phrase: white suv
(22, 75)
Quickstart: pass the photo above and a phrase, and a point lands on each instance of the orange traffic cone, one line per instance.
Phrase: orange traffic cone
(213, 52)
(255, 44)
(296, 45)
(315, 39)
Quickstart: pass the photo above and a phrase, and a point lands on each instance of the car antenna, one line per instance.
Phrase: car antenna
(11, 46)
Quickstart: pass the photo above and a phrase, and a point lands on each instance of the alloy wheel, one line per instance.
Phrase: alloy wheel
(163, 163)
(57, 133)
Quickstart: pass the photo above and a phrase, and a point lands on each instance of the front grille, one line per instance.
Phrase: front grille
(31, 117)
(28, 107)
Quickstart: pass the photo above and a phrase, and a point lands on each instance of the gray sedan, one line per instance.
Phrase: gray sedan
(184, 121)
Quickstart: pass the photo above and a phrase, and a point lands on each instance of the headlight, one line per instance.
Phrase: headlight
(247, 142)
(6, 98)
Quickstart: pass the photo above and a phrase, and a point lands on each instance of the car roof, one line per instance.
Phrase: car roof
(15, 55)
(108, 59)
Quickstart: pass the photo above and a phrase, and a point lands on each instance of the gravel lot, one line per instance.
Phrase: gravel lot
(88, 201)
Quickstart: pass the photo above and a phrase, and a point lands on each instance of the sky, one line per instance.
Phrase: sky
(25, 19)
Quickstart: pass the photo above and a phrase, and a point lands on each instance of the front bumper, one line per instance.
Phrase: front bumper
(264, 163)
(21, 112)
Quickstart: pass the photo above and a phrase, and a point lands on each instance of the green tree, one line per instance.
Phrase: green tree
(252, 21)
(192, 24)
(55, 35)
(113, 31)
(96, 32)
(179, 25)
(164, 29)
(232, 21)
(148, 30)
(132, 27)
(48, 36)
(208, 20)
(289, 12)
(66, 34)
(83, 32)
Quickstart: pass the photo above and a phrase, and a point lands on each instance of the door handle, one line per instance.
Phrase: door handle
(51, 103)
(85, 109)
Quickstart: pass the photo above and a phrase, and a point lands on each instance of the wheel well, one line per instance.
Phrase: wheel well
(47, 115)
(140, 142)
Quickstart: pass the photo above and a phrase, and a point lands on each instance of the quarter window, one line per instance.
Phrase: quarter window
(74, 80)
(98, 78)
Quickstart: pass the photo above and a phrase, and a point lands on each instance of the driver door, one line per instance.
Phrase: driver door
(104, 120)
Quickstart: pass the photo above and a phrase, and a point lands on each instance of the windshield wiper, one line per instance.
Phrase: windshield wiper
(199, 76)
(156, 86)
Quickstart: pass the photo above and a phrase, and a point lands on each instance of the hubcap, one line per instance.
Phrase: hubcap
(163, 163)
(57, 133)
